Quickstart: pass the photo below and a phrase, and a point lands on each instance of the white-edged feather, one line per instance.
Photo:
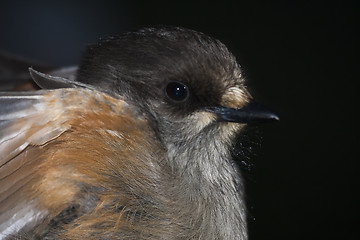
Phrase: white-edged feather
(22, 215)
(26, 119)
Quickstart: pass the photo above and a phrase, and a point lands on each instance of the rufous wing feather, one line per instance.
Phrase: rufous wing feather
(36, 179)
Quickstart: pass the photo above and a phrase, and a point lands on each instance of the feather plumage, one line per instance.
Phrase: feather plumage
(30, 124)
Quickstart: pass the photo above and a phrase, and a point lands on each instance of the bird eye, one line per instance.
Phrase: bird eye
(177, 91)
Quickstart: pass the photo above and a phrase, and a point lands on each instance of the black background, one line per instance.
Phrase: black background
(300, 58)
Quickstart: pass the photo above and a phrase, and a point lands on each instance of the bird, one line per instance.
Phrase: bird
(135, 146)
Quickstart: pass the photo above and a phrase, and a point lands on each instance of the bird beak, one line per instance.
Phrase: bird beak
(252, 112)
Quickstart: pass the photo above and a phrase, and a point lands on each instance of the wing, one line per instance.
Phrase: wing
(24, 122)
(36, 179)
(64, 163)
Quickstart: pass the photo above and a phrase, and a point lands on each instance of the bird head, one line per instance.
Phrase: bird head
(184, 80)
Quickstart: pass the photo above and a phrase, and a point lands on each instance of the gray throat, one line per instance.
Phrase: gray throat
(211, 187)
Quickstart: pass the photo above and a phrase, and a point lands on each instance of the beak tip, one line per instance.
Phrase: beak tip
(274, 117)
(260, 113)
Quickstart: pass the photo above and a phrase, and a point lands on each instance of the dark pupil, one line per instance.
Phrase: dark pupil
(176, 91)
